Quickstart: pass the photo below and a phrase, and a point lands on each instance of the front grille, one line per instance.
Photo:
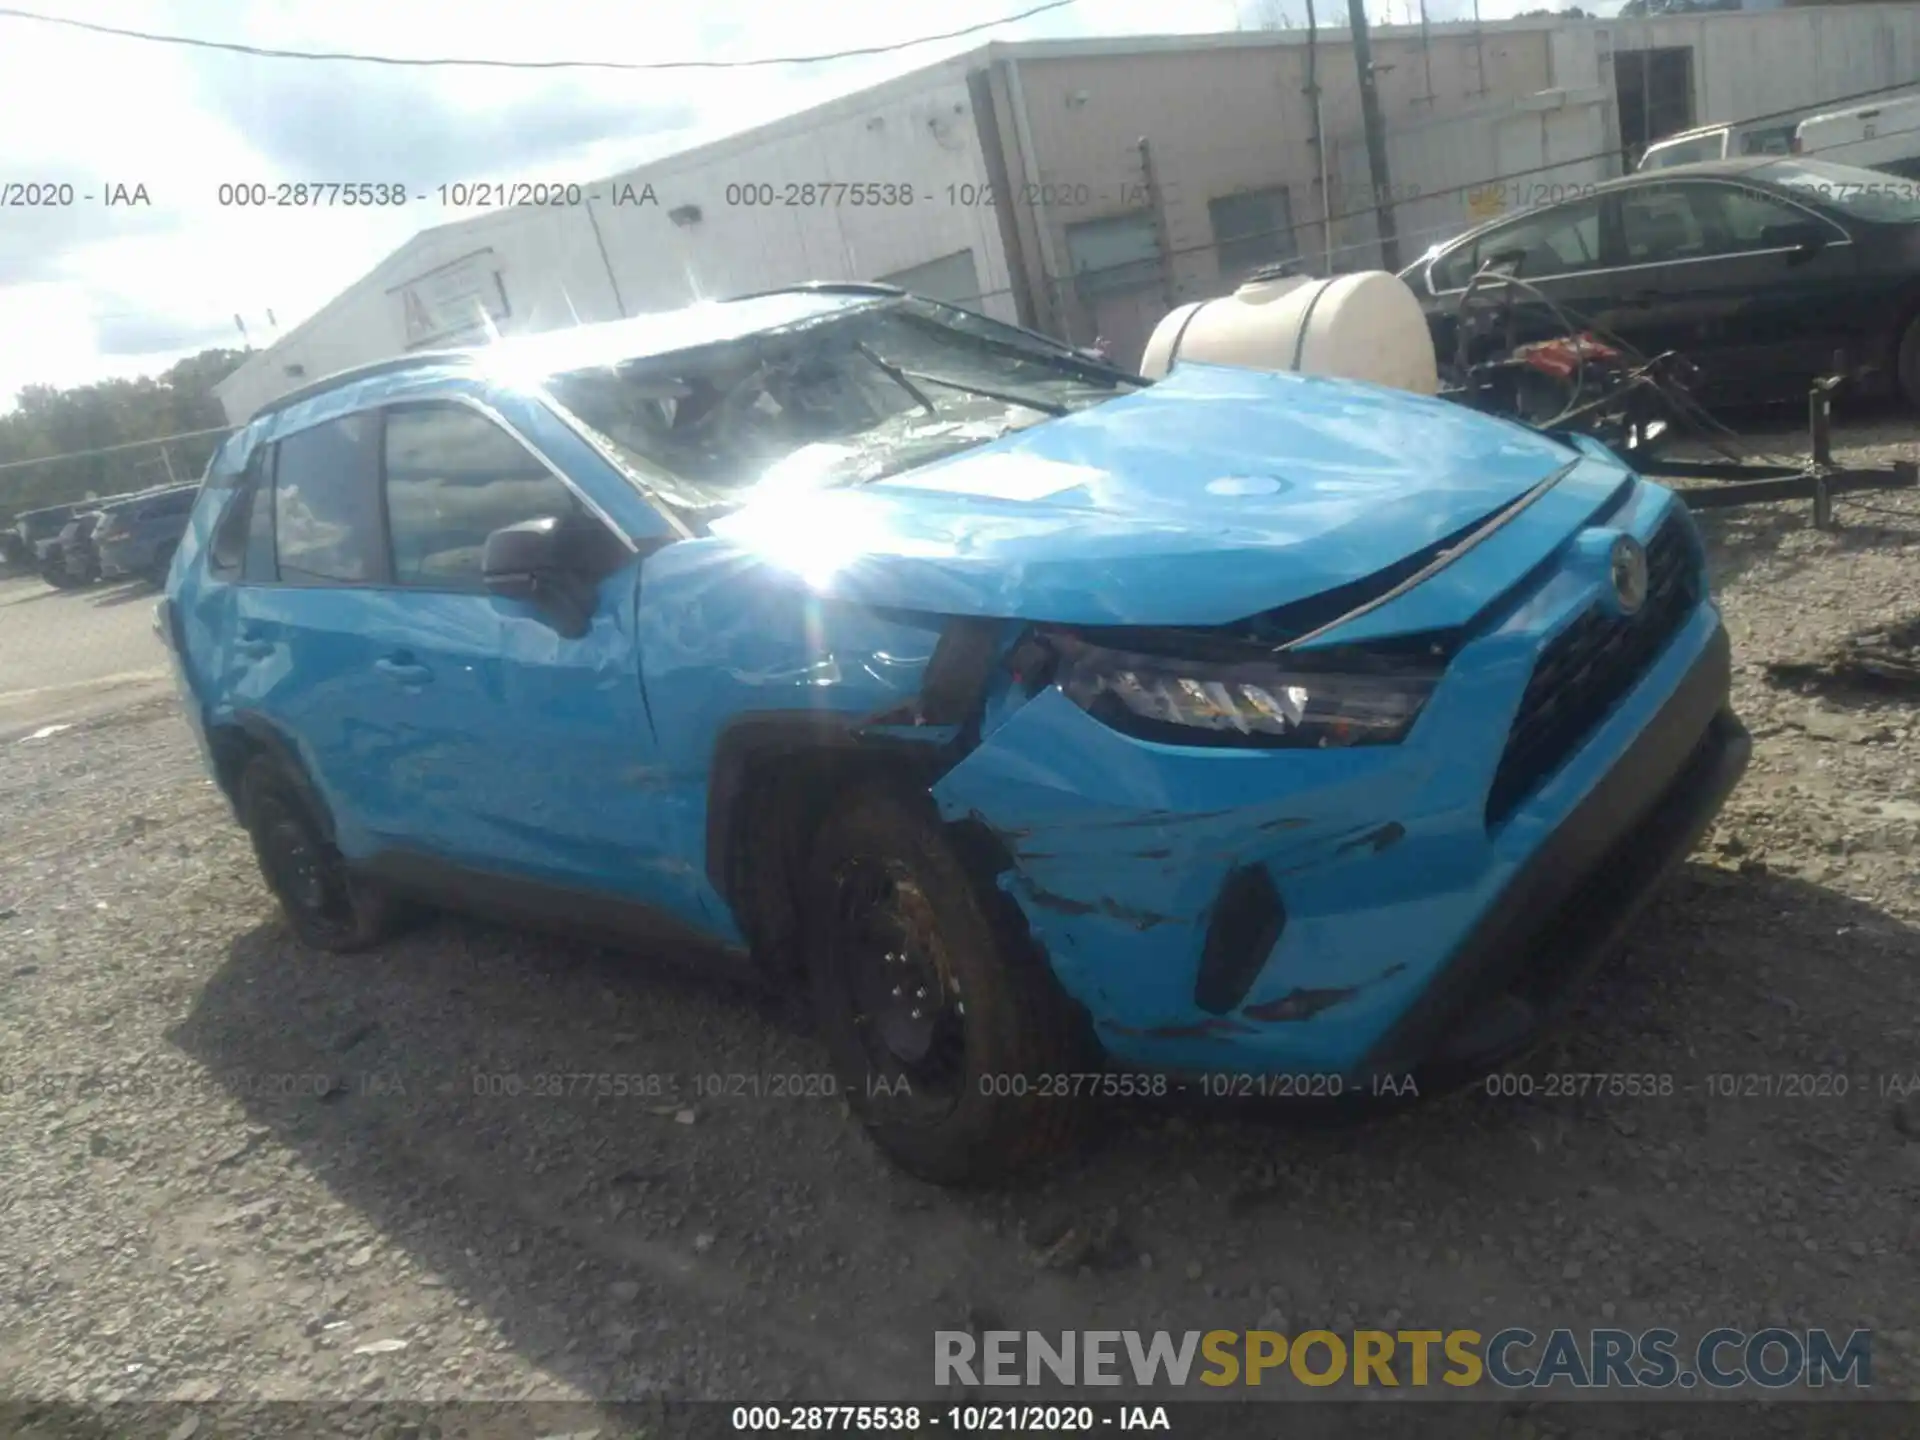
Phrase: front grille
(1586, 668)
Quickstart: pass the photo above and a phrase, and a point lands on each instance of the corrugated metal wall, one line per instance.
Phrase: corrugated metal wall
(1751, 63)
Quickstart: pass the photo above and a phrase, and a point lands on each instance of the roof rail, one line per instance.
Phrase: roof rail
(825, 287)
(361, 372)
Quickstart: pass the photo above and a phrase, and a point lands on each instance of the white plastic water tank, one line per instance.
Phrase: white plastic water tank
(1365, 326)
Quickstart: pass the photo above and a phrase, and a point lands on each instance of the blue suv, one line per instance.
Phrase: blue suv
(1066, 734)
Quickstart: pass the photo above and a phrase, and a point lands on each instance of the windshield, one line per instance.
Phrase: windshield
(850, 397)
(1850, 189)
(1685, 152)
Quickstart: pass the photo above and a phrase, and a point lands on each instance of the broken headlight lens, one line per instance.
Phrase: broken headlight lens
(1241, 703)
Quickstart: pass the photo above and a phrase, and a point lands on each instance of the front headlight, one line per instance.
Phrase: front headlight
(1256, 703)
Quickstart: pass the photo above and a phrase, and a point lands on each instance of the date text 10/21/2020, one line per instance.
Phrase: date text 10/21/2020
(859, 194)
(672, 1089)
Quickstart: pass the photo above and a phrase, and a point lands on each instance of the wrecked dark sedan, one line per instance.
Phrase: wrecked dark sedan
(1064, 734)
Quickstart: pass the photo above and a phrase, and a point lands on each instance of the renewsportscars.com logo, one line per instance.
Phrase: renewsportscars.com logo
(1513, 1359)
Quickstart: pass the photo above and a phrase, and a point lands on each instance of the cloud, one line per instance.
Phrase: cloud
(312, 122)
(42, 241)
(144, 333)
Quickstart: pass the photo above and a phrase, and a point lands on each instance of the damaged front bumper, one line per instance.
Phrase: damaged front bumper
(1354, 912)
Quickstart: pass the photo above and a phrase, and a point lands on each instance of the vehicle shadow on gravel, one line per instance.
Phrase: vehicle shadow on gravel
(125, 592)
(589, 1150)
(52, 592)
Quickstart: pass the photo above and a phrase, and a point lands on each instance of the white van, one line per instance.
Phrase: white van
(1882, 136)
(1717, 142)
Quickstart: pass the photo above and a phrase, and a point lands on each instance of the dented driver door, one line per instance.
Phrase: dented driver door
(524, 742)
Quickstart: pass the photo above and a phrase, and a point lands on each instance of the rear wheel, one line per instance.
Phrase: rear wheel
(948, 1033)
(326, 905)
(1907, 364)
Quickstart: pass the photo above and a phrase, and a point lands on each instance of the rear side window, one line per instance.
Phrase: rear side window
(326, 502)
(453, 478)
(1659, 223)
(1693, 221)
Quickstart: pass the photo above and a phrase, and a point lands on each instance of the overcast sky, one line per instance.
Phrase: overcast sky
(91, 292)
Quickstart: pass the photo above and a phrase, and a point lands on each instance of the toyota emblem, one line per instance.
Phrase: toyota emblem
(1628, 566)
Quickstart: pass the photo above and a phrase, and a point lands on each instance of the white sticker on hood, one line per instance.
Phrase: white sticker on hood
(1001, 476)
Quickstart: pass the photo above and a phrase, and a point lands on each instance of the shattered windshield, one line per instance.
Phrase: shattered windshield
(843, 399)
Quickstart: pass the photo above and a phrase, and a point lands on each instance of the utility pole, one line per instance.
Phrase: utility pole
(1319, 139)
(1369, 118)
(1376, 138)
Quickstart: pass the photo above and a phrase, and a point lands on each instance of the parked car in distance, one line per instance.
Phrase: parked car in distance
(1884, 135)
(1717, 142)
(1759, 271)
(31, 528)
(1060, 730)
(139, 535)
(78, 560)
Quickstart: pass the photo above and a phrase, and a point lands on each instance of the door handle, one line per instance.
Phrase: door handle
(403, 669)
(1645, 297)
(253, 646)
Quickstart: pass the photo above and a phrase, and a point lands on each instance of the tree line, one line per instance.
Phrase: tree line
(50, 421)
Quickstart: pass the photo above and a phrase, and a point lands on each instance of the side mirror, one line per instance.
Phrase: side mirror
(544, 563)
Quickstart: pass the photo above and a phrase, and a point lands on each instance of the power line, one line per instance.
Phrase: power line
(1292, 228)
(114, 449)
(8, 12)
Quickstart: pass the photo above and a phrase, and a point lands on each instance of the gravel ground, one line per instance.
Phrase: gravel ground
(235, 1170)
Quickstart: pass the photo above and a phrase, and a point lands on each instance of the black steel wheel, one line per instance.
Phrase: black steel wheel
(910, 1014)
(1907, 364)
(326, 905)
(949, 1036)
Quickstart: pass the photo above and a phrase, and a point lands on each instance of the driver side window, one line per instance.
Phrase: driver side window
(1561, 240)
(453, 477)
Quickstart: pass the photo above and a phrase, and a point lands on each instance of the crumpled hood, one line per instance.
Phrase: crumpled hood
(1209, 497)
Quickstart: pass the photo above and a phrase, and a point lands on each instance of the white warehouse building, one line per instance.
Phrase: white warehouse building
(1087, 187)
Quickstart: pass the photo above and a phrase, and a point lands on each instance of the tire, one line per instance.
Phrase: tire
(327, 907)
(1907, 364)
(950, 1089)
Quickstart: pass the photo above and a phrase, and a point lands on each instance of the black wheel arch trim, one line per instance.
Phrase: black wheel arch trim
(952, 695)
(264, 735)
(754, 736)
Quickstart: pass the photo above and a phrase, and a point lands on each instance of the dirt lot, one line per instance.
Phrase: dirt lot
(229, 1165)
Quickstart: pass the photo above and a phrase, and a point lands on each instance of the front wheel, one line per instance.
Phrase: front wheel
(948, 1033)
